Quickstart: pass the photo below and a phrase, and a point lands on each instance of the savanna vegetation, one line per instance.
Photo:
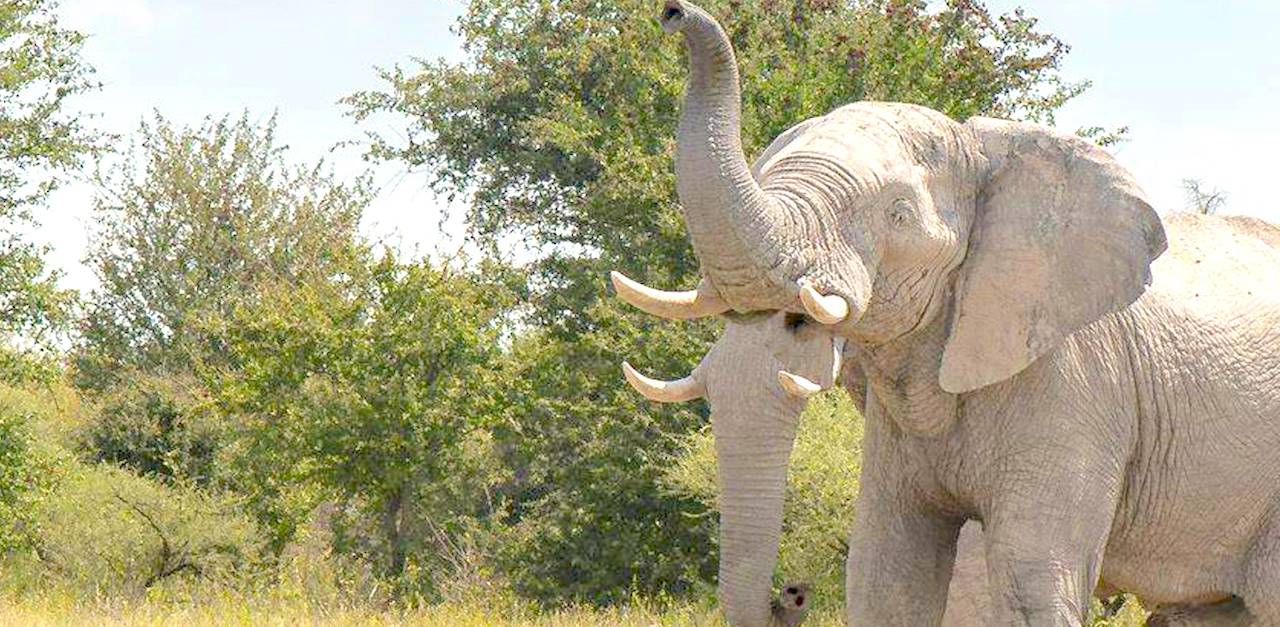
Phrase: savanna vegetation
(262, 416)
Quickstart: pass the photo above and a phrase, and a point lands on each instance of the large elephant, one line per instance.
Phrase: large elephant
(1108, 412)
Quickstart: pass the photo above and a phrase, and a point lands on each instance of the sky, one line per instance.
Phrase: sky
(1197, 83)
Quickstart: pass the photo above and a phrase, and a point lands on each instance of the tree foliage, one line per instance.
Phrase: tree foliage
(40, 69)
(559, 127)
(188, 225)
(192, 225)
(366, 388)
(41, 143)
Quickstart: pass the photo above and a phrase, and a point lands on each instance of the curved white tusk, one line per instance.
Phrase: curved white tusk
(837, 348)
(698, 303)
(797, 386)
(680, 390)
(825, 309)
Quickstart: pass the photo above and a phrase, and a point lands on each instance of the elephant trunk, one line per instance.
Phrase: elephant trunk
(752, 463)
(753, 245)
(736, 228)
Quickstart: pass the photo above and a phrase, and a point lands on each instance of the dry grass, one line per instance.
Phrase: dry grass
(234, 611)
(239, 612)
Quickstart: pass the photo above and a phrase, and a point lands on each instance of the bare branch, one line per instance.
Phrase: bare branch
(1201, 199)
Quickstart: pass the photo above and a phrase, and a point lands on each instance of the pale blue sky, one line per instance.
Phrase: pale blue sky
(1196, 81)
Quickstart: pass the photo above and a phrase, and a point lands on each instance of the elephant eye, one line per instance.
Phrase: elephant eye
(900, 212)
(796, 320)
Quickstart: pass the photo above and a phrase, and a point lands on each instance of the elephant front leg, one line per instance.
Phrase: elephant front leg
(1044, 555)
(899, 566)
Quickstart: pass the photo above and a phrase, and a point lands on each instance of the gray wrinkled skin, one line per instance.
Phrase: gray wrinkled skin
(1035, 358)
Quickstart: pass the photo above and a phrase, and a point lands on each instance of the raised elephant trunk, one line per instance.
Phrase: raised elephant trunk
(736, 228)
(747, 240)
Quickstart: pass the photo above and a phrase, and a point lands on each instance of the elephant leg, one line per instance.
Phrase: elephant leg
(899, 567)
(1043, 558)
(968, 602)
(1229, 613)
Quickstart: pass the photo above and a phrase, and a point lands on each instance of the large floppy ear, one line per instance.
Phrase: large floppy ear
(1062, 236)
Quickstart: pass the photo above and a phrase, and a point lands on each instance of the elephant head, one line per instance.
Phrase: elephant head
(756, 378)
(882, 218)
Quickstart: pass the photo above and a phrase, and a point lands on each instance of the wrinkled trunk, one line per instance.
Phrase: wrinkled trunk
(738, 231)
(753, 246)
(753, 449)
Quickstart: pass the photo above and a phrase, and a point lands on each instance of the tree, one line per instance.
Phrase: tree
(188, 225)
(365, 387)
(558, 131)
(192, 223)
(1201, 198)
(40, 145)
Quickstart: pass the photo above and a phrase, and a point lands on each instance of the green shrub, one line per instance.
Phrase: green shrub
(31, 462)
(16, 478)
(157, 426)
(108, 531)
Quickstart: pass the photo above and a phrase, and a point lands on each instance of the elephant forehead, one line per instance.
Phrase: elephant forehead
(753, 353)
(867, 157)
(883, 139)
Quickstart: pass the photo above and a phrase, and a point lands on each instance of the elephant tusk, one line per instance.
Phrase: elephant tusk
(825, 309)
(678, 391)
(699, 303)
(837, 349)
(797, 386)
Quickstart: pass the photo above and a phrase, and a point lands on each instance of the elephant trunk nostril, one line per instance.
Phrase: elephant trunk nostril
(672, 11)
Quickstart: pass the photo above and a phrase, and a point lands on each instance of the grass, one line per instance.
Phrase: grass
(284, 610)
(232, 611)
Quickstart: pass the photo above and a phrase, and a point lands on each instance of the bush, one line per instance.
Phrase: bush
(156, 426)
(30, 460)
(821, 487)
(108, 531)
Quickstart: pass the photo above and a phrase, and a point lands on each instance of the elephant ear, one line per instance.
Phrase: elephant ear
(1063, 236)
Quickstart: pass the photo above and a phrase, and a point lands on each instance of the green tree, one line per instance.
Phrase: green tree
(41, 143)
(191, 223)
(365, 388)
(558, 132)
(187, 225)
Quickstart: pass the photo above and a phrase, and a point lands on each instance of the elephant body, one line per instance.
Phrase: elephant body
(1202, 475)
(1143, 452)
(1041, 352)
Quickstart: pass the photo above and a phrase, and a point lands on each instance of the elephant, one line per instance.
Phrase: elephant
(1043, 353)
(756, 378)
